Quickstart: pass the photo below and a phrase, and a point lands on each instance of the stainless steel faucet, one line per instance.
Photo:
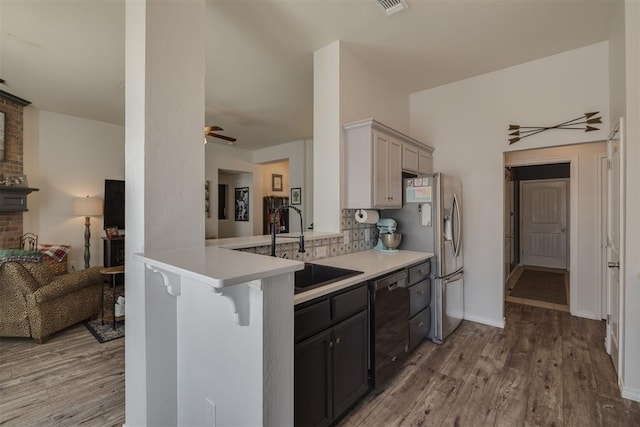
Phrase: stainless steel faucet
(273, 230)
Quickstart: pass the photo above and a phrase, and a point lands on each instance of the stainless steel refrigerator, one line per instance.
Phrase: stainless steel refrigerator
(431, 221)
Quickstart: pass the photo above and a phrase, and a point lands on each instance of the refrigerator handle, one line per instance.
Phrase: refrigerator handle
(456, 243)
(456, 276)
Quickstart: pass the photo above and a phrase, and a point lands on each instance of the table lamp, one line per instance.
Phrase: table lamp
(87, 207)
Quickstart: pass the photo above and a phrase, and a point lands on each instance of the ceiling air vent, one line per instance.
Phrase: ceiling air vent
(393, 6)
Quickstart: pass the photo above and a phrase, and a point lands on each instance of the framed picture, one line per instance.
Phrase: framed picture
(242, 204)
(2, 127)
(296, 196)
(112, 232)
(276, 182)
(207, 205)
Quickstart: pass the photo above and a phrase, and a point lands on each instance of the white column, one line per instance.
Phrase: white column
(327, 133)
(165, 187)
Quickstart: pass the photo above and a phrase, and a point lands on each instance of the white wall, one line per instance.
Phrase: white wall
(230, 227)
(364, 94)
(221, 157)
(300, 161)
(67, 157)
(617, 71)
(467, 123)
(587, 295)
(346, 89)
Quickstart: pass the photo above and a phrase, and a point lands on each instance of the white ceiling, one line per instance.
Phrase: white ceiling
(67, 56)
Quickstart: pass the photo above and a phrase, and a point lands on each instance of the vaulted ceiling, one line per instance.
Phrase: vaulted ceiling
(67, 56)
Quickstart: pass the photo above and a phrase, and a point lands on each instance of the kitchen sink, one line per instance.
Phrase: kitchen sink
(316, 275)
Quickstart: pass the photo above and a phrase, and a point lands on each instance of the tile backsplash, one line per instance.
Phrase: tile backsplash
(358, 237)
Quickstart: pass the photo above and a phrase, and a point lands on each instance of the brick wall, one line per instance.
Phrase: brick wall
(11, 223)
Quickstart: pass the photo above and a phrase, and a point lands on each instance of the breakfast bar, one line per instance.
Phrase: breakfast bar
(234, 334)
(235, 325)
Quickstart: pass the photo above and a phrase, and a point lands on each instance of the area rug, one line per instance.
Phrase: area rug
(104, 333)
(542, 286)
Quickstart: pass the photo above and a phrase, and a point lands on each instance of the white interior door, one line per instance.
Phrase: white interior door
(614, 245)
(544, 223)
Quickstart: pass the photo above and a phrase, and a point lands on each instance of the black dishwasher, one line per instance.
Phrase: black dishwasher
(390, 330)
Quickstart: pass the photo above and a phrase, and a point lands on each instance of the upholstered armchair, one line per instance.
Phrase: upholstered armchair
(35, 303)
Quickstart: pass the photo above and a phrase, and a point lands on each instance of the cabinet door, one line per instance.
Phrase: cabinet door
(425, 162)
(350, 357)
(312, 395)
(394, 190)
(409, 158)
(380, 169)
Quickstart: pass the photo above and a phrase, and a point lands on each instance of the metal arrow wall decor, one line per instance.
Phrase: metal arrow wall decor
(580, 123)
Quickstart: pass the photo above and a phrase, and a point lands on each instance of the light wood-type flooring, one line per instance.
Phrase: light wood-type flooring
(71, 380)
(545, 368)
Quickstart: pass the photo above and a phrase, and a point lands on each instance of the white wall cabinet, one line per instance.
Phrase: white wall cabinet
(374, 161)
(425, 162)
(410, 157)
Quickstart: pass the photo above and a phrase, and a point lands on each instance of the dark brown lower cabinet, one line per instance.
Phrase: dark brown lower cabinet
(312, 364)
(331, 372)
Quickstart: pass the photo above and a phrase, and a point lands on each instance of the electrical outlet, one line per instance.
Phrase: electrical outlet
(321, 251)
(73, 266)
(211, 413)
(346, 236)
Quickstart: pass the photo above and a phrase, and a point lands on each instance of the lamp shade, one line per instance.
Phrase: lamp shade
(87, 206)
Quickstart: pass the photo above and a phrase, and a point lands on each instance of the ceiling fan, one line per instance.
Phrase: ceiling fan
(211, 131)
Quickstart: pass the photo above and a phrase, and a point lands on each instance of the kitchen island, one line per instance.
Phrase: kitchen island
(234, 326)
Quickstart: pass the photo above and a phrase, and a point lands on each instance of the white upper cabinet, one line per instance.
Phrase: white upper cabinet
(375, 156)
(410, 157)
(425, 162)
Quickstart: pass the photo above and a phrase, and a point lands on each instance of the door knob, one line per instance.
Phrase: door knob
(613, 264)
(563, 229)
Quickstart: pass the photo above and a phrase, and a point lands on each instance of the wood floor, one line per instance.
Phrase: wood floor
(546, 368)
(71, 380)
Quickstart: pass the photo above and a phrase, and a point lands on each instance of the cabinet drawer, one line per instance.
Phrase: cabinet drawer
(419, 272)
(312, 319)
(419, 327)
(349, 303)
(419, 296)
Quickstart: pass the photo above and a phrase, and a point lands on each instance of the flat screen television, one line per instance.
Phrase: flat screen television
(114, 203)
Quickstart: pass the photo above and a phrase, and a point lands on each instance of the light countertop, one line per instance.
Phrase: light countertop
(218, 267)
(371, 262)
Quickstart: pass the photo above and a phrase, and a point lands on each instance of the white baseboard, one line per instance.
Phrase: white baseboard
(630, 393)
(484, 320)
(587, 315)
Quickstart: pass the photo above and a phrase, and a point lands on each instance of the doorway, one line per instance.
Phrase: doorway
(536, 235)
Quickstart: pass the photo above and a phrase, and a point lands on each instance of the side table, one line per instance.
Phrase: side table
(113, 273)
